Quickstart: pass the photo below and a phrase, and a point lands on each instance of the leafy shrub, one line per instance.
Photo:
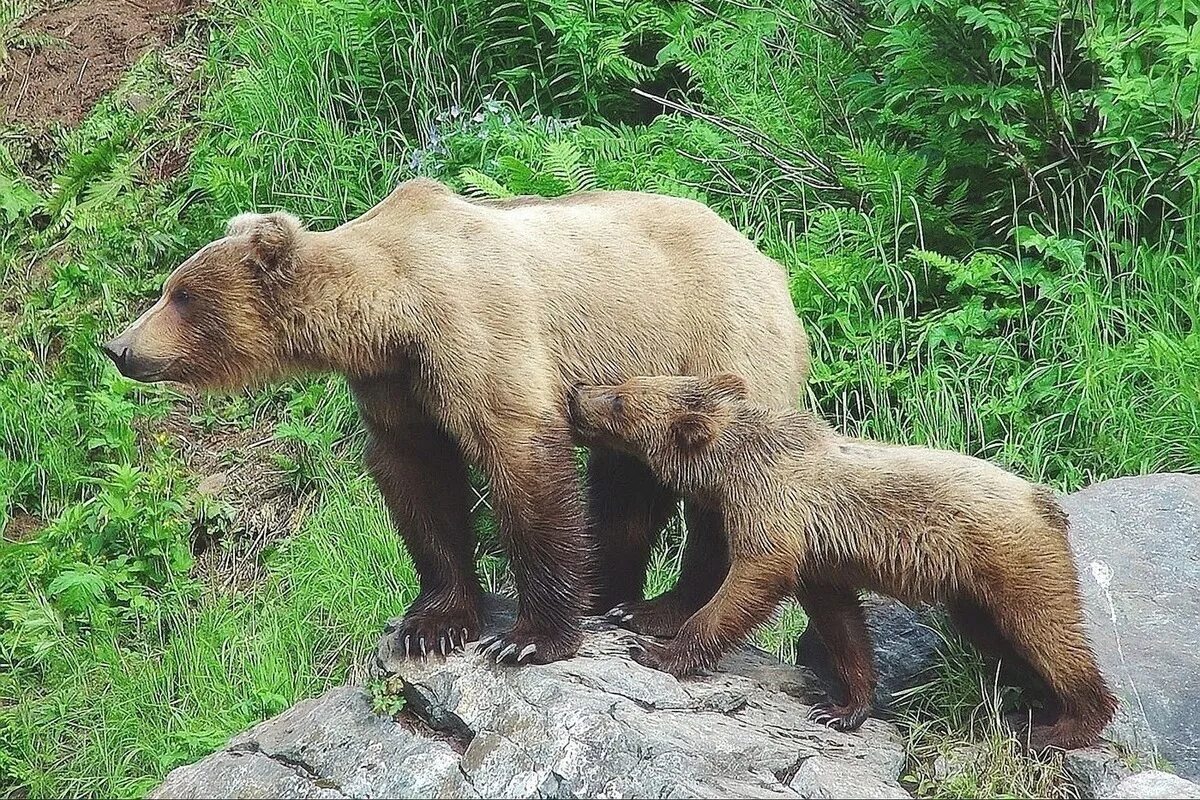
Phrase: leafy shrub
(1067, 115)
(344, 84)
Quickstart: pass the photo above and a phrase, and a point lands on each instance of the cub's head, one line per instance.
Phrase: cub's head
(217, 324)
(671, 423)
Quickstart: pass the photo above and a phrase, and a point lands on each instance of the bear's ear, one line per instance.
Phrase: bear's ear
(728, 386)
(272, 239)
(694, 430)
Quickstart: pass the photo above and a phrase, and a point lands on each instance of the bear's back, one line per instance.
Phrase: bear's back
(603, 284)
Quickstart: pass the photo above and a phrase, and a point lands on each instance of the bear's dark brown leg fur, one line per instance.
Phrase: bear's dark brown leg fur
(976, 625)
(752, 589)
(704, 566)
(424, 483)
(1045, 626)
(628, 509)
(535, 491)
(838, 616)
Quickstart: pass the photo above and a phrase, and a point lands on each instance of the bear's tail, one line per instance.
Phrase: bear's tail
(1049, 509)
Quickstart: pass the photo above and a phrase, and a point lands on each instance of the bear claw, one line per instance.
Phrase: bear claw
(421, 636)
(516, 647)
(661, 616)
(838, 718)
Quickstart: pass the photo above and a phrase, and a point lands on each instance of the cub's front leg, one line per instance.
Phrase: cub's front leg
(838, 616)
(752, 589)
(705, 564)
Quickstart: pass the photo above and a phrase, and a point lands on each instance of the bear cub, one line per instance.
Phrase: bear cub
(819, 516)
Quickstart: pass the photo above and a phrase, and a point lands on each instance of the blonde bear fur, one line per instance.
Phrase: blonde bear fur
(820, 516)
(459, 325)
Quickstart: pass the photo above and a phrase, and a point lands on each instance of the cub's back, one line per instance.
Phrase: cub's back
(918, 521)
(944, 489)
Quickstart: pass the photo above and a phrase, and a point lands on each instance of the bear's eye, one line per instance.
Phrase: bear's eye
(182, 297)
(618, 405)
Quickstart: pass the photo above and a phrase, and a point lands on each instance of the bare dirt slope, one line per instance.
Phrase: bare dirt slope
(83, 48)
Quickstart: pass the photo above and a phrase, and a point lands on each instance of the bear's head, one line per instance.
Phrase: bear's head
(669, 422)
(217, 324)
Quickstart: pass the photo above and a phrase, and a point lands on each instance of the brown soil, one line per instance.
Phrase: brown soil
(22, 526)
(235, 465)
(95, 43)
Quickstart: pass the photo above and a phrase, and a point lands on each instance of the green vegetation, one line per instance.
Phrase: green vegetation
(959, 743)
(989, 213)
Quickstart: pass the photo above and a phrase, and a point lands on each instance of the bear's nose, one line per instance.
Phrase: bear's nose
(118, 352)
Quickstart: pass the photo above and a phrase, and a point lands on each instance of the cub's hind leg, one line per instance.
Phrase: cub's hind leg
(838, 616)
(1044, 623)
(975, 624)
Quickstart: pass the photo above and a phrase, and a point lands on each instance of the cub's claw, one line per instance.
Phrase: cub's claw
(529, 650)
(838, 718)
(820, 716)
(663, 616)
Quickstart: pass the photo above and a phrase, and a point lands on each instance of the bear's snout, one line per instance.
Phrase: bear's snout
(585, 408)
(118, 352)
(130, 363)
(575, 402)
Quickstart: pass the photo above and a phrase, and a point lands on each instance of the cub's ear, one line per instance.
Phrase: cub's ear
(728, 386)
(694, 430)
(272, 239)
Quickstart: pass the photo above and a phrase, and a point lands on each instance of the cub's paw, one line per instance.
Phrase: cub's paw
(426, 634)
(526, 646)
(663, 616)
(668, 658)
(840, 718)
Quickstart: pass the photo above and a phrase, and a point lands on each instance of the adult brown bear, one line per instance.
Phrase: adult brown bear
(460, 325)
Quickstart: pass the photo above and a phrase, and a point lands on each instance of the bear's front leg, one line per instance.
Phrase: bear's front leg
(752, 589)
(424, 483)
(536, 494)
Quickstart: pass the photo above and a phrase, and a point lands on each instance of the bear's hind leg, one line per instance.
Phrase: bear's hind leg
(838, 616)
(628, 508)
(975, 624)
(424, 484)
(704, 566)
(1046, 628)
